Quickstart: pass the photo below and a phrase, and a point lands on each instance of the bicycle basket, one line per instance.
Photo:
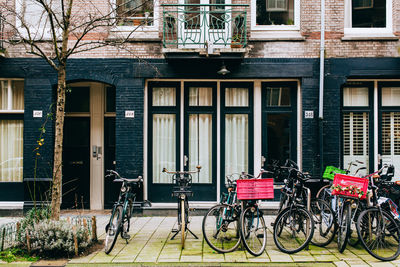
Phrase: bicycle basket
(346, 182)
(255, 189)
(330, 172)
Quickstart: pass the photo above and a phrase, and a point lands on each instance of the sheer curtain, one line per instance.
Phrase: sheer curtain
(236, 143)
(3, 95)
(11, 150)
(200, 146)
(17, 88)
(164, 146)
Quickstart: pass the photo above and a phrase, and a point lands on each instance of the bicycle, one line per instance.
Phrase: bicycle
(182, 190)
(377, 228)
(122, 210)
(294, 225)
(220, 225)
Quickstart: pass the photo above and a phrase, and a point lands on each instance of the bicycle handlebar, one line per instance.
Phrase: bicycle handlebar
(122, 179)
(182, 172)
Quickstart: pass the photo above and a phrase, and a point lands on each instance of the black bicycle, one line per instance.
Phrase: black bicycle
(182, 190)
(122, 210)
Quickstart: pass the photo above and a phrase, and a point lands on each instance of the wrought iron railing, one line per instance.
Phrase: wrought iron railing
(199, 26)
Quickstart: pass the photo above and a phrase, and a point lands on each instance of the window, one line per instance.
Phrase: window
(275, 14)
(368, 17)
(135, 12)
(33, 16)
(11, 130)
(356, 140)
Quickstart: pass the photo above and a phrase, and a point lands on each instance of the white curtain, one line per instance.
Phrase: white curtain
(164, 146)
(236, 143)
(164, 96)
(236, 97)
(3, 95)
(17, 88)
(11, 150)
(200, 146)
(200, 96)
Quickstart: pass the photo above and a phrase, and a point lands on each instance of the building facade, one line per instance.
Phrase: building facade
(164, 100)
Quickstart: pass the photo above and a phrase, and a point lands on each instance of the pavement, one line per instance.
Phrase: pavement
(150, 245)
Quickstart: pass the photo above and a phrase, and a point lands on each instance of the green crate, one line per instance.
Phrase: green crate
(330, 172)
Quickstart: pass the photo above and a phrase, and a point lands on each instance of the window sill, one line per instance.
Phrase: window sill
(140, 34)
(371, 37)
(275, 36)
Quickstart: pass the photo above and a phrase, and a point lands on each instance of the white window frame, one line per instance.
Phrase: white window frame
(276, 30)
(368, 32)
(142, 32)
(41, 34)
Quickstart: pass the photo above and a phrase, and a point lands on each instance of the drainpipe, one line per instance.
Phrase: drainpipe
(321, 85)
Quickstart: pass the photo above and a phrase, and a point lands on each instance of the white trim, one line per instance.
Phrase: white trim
(267, 28)
(11, 205)
(350, 32)
(218, 142)
(182, 129)
(145, 141)
(257, 126)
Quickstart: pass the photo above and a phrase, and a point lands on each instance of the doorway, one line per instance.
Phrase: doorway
(89, 118)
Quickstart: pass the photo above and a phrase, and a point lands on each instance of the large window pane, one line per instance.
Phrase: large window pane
(200, 96)
(164, 96)
(391, 96)
(356, 138)
(278, 96)
(236, 97)
(17, 88)
(77, 99)
(368, 13)
(164, 146)
(355, 96)
(236, 143)
(11, 150)
(275, 12)
(200, 146)
(135, 12)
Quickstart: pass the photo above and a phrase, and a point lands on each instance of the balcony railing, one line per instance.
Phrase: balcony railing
(200, 26)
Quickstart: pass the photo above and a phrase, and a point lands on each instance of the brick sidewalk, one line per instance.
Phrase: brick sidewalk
(150, 244)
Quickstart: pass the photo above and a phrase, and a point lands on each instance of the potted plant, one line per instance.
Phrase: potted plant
(236, 41)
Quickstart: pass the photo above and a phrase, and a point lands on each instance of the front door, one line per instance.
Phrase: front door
(278, 122)
(182, 141)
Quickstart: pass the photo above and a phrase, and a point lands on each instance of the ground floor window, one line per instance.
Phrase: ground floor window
(11, 130)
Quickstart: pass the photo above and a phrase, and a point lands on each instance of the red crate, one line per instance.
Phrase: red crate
(255, 189)
(346, 180)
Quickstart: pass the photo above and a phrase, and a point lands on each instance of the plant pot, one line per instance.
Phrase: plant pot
(236, 45)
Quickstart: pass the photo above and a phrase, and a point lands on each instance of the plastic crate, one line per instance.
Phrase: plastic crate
(346, 180)
(255, 189)
(330, 172)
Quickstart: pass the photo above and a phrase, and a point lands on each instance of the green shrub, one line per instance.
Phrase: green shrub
(50, 238)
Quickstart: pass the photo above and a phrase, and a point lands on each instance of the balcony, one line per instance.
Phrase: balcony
(206, 28)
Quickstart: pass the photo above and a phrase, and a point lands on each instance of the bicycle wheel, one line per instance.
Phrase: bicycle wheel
(344, 221)
(324, 194)
(379, 233)
(325, 224)
(220, 228)
(183, 222)
(253, 230)
(283, 203)
(293, 229)
(354, 240)
(126, 222)
(112, 229)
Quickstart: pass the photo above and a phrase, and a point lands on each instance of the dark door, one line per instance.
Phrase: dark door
(111, 189)
(76, 164)
(279, 122)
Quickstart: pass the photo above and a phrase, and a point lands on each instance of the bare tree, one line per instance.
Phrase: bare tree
(55, 30)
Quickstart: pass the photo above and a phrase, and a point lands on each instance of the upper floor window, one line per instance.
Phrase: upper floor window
(368, 17)
(275, 14)
(135, 12)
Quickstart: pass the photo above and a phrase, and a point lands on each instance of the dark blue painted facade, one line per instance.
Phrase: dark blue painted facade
(128, 76)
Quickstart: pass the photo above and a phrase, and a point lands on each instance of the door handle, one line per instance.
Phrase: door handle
(185, 160)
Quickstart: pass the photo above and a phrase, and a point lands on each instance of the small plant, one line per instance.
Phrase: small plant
(16, 254)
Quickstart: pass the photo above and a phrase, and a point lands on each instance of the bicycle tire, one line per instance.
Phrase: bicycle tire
(113, 228)
(325, 223)
(220, 228)
(354, 239)
(322, 194)
(285, 218)
(370, 221)
(183, 222)
(283, 202)
(253, 230)
(344, 226)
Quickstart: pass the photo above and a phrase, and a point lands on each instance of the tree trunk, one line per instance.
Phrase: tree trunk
(58, 144)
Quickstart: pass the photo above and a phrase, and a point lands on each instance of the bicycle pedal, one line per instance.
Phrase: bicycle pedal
(126, 236)
(272, 224)
(175, 230)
